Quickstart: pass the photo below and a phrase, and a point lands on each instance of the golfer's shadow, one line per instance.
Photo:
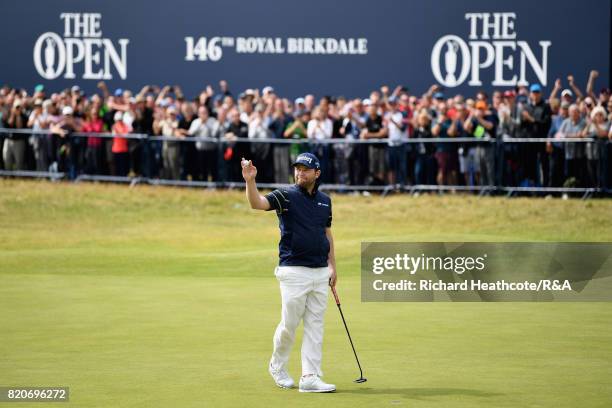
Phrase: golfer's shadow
(420, 393)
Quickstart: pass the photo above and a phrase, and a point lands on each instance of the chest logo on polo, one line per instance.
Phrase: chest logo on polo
(323, 204)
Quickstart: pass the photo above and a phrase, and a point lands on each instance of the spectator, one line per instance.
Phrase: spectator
(574, 152)
(94, 152)
(65, 152)
(170, 148)
(507, 166)
(38, 120)
(596, 127)
(604, 97)
(143, 112)
(277, 125)
(319, 129)
(535, 119)
(261, 151)
(13, 152)
(481, 124)
(394, 122)
(120, 145)
(53, 139)
(407, 109)
(188, 150)
(309, 102)
(359, 160)
(338, 151)
(446, 152)
(350, 129)
(498, 99)
(236, 130)
(205, 126)
(228, 103)
(300, 105)
(224, 88)
(156, 146)
(374, 129)
(297, 130)
(555, 149)
(425, 167)
(245, 105)
(466, 151)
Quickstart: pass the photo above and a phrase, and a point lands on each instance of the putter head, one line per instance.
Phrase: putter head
(360, 380)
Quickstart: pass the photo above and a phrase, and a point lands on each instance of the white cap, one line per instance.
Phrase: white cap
(596, 110)
(366, 102)
(300, 100)
(267, 89)
(76, 88)
(118, 116)
(67, 110)
(567, 92)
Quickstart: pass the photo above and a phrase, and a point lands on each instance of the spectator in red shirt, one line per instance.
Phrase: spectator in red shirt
(94, 153)
(120, 146)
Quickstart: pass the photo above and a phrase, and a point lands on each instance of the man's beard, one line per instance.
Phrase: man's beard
(305, 184)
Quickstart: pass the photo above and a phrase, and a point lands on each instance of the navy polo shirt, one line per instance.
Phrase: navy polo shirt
(302, 219)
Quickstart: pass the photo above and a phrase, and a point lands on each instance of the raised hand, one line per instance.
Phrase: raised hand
(249, 172)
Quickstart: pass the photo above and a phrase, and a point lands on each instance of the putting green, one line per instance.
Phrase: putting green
(162, 297)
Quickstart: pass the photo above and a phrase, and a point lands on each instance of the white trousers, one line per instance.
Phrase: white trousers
(304, 296)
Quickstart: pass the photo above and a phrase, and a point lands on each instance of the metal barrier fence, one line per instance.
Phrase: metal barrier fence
(496, 151)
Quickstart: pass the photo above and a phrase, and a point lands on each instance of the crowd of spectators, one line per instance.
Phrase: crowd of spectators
(220, 124)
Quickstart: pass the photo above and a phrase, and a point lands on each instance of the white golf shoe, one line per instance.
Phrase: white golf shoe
(313, 383)
(281, 377)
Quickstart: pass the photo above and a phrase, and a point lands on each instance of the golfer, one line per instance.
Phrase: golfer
(307, 266)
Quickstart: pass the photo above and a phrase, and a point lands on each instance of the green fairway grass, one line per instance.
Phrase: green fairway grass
(165, 297)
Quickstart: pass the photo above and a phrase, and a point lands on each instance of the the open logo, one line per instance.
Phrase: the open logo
(492, 42)
(81, 45)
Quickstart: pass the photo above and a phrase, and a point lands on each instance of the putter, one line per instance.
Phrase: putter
(360, 379)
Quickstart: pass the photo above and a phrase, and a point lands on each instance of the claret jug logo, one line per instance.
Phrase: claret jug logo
(81, 48)
(492, 43)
